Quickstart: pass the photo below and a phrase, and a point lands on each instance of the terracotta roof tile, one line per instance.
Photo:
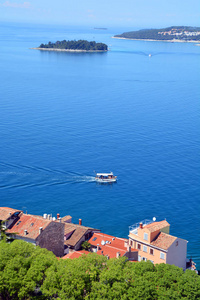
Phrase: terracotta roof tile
(112, 244)
(157, 225)
(6, 212)
(111, 252)
(98, 237)
(30, 223)
(75, 254)
(163, 241)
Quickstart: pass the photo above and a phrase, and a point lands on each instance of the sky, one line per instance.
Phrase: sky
(103, 13)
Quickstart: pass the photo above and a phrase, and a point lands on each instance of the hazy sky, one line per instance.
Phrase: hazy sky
(103, 13)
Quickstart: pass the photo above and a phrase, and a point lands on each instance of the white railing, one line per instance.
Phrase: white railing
(133, 228)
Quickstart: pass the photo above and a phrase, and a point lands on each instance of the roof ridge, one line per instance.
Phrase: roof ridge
(168, 234)
(108, 245)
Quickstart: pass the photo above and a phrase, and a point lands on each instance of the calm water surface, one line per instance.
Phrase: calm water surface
(64, 115)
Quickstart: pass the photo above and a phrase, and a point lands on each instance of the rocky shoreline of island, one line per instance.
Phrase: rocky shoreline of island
(151, 40)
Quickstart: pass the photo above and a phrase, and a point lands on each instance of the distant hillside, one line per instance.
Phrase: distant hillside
(75, 45)
(179, 33)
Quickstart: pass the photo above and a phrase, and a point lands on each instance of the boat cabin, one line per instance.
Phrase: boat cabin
(107, 177)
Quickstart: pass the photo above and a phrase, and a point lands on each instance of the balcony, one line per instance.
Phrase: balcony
(134, 228)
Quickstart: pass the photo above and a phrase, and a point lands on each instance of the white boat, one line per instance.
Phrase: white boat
(105, 177)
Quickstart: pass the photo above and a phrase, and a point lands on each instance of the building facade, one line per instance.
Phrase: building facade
(154, 243)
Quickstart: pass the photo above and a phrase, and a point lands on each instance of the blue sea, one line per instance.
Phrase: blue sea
(66, 115)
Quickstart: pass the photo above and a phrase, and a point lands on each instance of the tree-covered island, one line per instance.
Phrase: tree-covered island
(80, 45)
(173, 33)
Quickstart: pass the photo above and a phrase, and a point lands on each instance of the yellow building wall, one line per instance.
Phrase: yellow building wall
(155, 257)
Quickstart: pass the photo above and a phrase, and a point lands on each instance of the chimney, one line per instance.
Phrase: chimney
(59, 219)
(49, 217)
(45, 216)
(118, 254)
(25, 232)
(40, 230)
(58, 216)
(80, 221)
(141, 225)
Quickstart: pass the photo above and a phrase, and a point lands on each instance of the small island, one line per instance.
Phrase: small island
(74, 46)
(170, 34)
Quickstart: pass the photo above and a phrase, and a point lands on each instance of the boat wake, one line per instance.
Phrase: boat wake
(23, 176)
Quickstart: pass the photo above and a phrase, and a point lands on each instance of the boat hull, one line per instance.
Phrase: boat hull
(105, 180)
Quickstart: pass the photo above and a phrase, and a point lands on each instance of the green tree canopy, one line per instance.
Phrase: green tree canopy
(76, 45)
(29, 272)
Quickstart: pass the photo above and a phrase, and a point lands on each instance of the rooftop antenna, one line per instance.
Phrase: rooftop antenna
(103, 242)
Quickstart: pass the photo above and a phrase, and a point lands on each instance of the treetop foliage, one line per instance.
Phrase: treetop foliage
(29, 272)
(86, 245)
(76, 45)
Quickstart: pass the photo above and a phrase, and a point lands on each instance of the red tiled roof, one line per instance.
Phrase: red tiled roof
(75, 254)
(6, 212)
(110, 246)
(163, 241)
(157, 225)
(30, 223)
(111, 252)
(98, 237)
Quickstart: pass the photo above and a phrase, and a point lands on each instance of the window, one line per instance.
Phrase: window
(151, 251)
(139, 246)
(144, 258)
(145, 236)
(94, 239)
(139, 258)
(131, 243)
(162, 255)
(144, 248)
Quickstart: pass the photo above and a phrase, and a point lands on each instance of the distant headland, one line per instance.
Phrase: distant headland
(74, 46)
(100, 28)
(170, 34)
